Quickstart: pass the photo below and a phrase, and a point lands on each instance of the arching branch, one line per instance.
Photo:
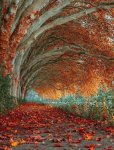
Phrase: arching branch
(63, 20)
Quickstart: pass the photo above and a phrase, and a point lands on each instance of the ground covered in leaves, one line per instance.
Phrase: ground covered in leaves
(39, 127)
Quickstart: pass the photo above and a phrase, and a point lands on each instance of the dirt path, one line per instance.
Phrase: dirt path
(37, 127)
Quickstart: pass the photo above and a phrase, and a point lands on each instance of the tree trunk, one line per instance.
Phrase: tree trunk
(13, 90)
(16, 90)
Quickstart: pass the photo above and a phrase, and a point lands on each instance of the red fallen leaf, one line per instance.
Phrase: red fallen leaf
(42, 125)
(70, 140)
(82, 131)
(109, 148)
(14, 131)
(105, 116)
(78, 141)
(8, 128)
(10, 135)
(45, 131)
(58, 145)
(109, 129)
(38, 137)
(98, 139)
(75, 130)
(93, 132)
(91, 146)
(5, 148)
(68, 135)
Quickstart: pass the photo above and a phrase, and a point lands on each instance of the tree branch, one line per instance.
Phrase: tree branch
(61, 21)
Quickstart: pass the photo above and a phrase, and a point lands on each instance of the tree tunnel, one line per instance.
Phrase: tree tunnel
(57, 45)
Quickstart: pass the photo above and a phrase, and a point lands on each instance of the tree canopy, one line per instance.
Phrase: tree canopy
(57, 46)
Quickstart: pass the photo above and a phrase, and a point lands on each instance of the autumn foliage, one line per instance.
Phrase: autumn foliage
(73, 39)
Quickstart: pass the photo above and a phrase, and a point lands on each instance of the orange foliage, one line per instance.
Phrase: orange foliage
(82, 69)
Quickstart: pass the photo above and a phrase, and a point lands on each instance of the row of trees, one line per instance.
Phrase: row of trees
(56, 42)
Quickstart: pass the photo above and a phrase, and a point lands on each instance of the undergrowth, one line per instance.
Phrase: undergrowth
(98, 107)
(5, 97)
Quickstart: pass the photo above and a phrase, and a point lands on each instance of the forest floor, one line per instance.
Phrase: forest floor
(40, 127)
